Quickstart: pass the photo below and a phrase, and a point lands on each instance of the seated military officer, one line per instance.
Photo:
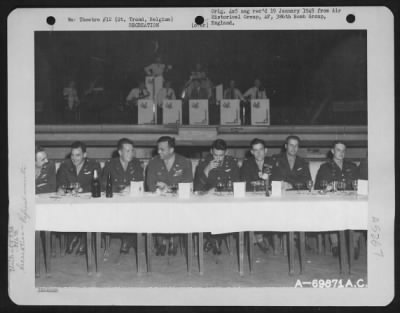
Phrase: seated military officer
(216, 169)
(45, 172)
(291, 168)
(363, 169)
(338, 169)
(77, 169)
(163, 173)
(253, 171)
(123, 170)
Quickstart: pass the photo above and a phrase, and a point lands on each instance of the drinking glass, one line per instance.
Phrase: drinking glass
(77, 188)
(354, 184)
(309, 185)
(324, 184)
(254, 185)
(174, 188)
(70, 188)
(341, 185)
(298, 186)
(219, 187)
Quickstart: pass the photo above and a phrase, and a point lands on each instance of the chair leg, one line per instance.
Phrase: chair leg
(37, 253)
(53, 244)
(181, 245)
(47, 253)
(189, 252)
(342, 249)
(327, 244)
(351, 249)
(291, 253)
(140, 255)
(241, 252)
(62, 244)
(319, 236)
(89, 252)
(284, 242)
(195, 244)
(148, 251)
(98, 251)
(363, 245)
(201, 254)
(251, 250)
(302, 248)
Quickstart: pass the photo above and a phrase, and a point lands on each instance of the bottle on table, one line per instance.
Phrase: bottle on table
(266, 183)
(109, 187)
(229, 185)
(96, 190)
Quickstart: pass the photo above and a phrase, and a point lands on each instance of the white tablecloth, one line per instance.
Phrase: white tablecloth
(153, 213)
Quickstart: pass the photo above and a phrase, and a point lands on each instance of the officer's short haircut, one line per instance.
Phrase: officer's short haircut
(336, 142)
(219, 144)
(294, 137)
(257, 141)
(169, 139)
(38, 149)
(77, 145)
(124, 141)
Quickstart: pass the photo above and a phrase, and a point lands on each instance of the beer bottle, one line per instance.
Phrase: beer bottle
(109, 187)
(267, 194)
(96, 191)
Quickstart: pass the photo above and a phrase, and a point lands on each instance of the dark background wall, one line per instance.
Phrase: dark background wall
(304, 72)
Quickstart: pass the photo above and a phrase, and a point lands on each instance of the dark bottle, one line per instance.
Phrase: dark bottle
(267, 194)
(229, 185)
(96, 191)
(109, 187)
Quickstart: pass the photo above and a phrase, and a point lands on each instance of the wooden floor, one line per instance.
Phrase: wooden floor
(220, 271)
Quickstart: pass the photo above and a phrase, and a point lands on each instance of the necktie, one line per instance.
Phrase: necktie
(232, 93)
(256, 93)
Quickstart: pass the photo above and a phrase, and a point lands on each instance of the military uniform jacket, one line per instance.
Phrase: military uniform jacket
(46, 181)
(67, 174)
(363, 170)
(282, 172)
(228, 170)
(249, 170)
(330, 171)
(180, 172)
(120, 178)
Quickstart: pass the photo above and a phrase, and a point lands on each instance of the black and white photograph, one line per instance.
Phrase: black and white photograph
(221, 158)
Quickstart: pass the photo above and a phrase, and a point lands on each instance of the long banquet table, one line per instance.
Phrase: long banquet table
(295, 211)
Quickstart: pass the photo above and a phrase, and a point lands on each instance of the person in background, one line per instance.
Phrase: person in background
(216, 169)
(338, 169)
(256, 92)
(165, 93)
(45, 172)
(290, 168)
(71, 101)
(123, 170)
(363, 169)
(253, 171)
(163, 173)
(77, 171)
(158, 68)
(232, 92)
(132, 100)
